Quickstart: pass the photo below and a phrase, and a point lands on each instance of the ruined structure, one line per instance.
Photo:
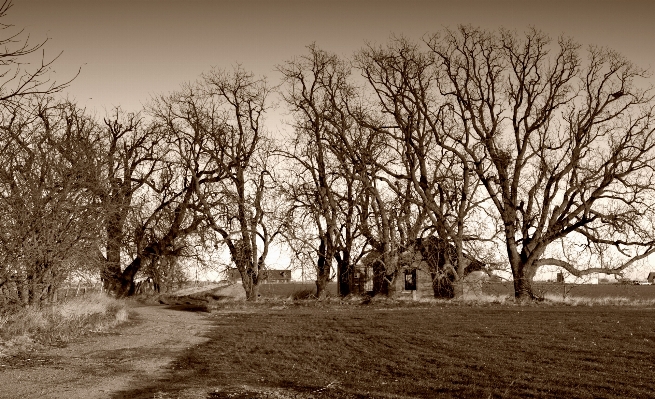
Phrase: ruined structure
(426, 267)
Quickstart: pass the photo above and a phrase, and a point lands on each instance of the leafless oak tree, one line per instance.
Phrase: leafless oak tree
(435, 170)
(324, 189)
(129, 154)
(563, 145)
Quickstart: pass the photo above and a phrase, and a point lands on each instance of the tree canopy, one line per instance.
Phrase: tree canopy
(511, 148)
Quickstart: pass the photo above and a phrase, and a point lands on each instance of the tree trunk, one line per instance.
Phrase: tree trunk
(523, 283)
(111, 273)
(52, 293)
(126, 286)
(323, 268)
(384, 281)
(442, 285)
(12, 292)
(23, 289)
(390, 287)
(460, 270)
(345, 273)
(250, 281)
(379, 272)
(520, 270)
(254, 292)
(458, 288)
(36, 292)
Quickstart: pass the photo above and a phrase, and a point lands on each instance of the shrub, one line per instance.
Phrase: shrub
(304, 294)
(59, 323)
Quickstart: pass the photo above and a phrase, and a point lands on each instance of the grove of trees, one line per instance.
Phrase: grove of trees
(517, 149)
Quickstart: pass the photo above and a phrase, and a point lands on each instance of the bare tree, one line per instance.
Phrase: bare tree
(436, 170)
(16, 82)
(43, 201)
(324, 189)
(304, 212)
(221, 147)
(49, 212)
(237, 206)
(129, 153)
(165, 210)
(563, 145)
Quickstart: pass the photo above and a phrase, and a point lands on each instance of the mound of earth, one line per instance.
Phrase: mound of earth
(198, 289)
(198, 298)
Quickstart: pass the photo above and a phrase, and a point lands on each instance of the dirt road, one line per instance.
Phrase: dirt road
(101, 365)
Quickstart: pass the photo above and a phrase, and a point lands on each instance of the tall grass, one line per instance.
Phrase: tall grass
(597, 301)
(59, 323)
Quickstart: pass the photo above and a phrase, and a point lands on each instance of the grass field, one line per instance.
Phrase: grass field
(387, 350)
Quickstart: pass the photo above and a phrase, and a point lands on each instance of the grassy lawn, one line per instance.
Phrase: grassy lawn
(421, 351)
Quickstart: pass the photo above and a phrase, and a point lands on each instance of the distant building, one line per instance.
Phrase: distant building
(265, 276)
(233, 276)
(560, 277)
(275, 276)
(651, 277)
(421, 270)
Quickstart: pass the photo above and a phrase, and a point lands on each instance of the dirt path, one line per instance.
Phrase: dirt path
(99, 365)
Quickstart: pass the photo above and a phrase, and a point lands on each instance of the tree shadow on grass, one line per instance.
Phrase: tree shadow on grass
(179, 381)
(189, 307)
(198, 302)
(195, 374)
(185, 303)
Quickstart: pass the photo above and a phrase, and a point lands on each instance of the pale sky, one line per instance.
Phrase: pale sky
(132, 50)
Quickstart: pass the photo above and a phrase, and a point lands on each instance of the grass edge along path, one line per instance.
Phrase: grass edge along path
(56, 324)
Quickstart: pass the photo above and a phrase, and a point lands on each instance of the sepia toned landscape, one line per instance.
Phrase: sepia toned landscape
(326, 199)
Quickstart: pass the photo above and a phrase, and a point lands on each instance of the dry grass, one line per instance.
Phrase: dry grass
(485, 295)
(597, 301)
(550, 298)
(59, 323)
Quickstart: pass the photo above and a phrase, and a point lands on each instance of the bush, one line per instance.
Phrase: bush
(304, 294)
(59, 323)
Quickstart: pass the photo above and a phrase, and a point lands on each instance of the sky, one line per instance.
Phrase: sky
(130, 51)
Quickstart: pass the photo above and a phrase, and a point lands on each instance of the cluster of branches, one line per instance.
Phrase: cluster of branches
(513, 148)
(196, 176)
(368, 174)
(474, 137)
(136, 194)
(133, 194)
(47, 206)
